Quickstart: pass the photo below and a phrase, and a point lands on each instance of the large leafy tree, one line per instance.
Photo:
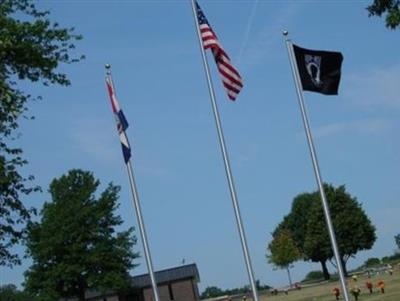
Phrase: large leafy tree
(397, 241)
(31, 48)
(75, 246)
(9, 292)
(296, 222)
(373, 261)
(211, 292)
(389, 8)
(354, 230)
(283, 251)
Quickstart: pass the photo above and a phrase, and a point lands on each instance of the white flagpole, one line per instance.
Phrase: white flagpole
(299, 91)
(136, 205)
(226, 160)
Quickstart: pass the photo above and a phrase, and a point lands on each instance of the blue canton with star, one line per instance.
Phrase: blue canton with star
(200, 15)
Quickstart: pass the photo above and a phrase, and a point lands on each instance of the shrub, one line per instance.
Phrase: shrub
(314, 275)
(372, 262)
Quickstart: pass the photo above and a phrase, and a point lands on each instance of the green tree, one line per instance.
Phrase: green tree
(397, 240)
(283, 251)
(373, 261)
(313, 276)
(211, 292)
(390, 8)
(306, 222)
(31, 48)
(75, 246)
(296, 222)
(353, 229)
(9, 292)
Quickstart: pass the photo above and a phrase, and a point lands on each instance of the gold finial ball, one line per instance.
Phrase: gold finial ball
(285, 32)
(108, 66)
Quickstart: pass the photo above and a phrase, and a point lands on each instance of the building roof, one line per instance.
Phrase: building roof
(188, 271)
(183, 272)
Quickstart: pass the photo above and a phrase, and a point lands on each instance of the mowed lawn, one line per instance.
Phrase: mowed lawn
(323, 292)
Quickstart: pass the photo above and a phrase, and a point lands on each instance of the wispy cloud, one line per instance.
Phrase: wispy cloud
(269, 36)
(154, 170)
(248, 154)
(247, 32)
(375, 89)
(387, 218)
(366, 127)
(372, 126)
(96, 138)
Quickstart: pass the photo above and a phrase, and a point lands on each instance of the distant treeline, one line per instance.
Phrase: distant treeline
(213, 291)
(374, 261)
(370, 263)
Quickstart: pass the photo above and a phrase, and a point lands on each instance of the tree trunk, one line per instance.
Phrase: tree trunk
(325, 271)
(82, 289)
(290, 278)
(344, 267)
(81, 296)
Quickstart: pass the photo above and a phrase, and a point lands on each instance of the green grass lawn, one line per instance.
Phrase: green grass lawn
(323, 292)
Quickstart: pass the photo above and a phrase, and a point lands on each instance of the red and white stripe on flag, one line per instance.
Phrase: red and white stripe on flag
(114, 103)
(231, 78)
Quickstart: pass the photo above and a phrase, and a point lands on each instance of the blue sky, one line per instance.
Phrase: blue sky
(161, 87)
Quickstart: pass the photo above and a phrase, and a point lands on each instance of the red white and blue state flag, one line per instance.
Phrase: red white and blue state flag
(120, 119)
(230, 76)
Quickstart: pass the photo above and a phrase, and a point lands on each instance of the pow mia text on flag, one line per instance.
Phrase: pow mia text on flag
(319, 70)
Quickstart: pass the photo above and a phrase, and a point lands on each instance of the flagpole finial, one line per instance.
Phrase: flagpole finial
(108, 68)
(285, 33)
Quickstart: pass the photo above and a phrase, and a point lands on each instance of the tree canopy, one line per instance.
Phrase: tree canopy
(353, 229)
(313, 276)
(306, 223)
(214, 291)
(211, 292)
(9, 292)
(373, 261)
(75, 246)
(31, 49)
(283, 249)
(397, 240)
(390, 8)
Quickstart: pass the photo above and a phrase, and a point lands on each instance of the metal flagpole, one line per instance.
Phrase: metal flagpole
(142, 230)
(226, 160)
(136, 205)
(314, 159)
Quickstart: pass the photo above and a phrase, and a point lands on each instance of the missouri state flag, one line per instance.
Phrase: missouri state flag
(122, 123)
(319, 70)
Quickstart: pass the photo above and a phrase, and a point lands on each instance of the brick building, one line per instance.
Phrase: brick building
(175, 284)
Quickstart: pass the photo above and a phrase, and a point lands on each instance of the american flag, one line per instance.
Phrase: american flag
(230, 76)
(120, 119)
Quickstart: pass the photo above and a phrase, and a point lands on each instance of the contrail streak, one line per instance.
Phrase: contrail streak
(247, 32)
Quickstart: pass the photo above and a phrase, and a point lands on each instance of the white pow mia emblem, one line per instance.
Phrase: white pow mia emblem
(313, 66)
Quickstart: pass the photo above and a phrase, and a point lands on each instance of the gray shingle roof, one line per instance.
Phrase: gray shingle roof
(168, 275)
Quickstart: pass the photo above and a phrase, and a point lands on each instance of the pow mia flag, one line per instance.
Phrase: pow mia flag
(319, 70)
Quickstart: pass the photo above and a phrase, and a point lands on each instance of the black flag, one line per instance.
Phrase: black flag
(319, 70)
